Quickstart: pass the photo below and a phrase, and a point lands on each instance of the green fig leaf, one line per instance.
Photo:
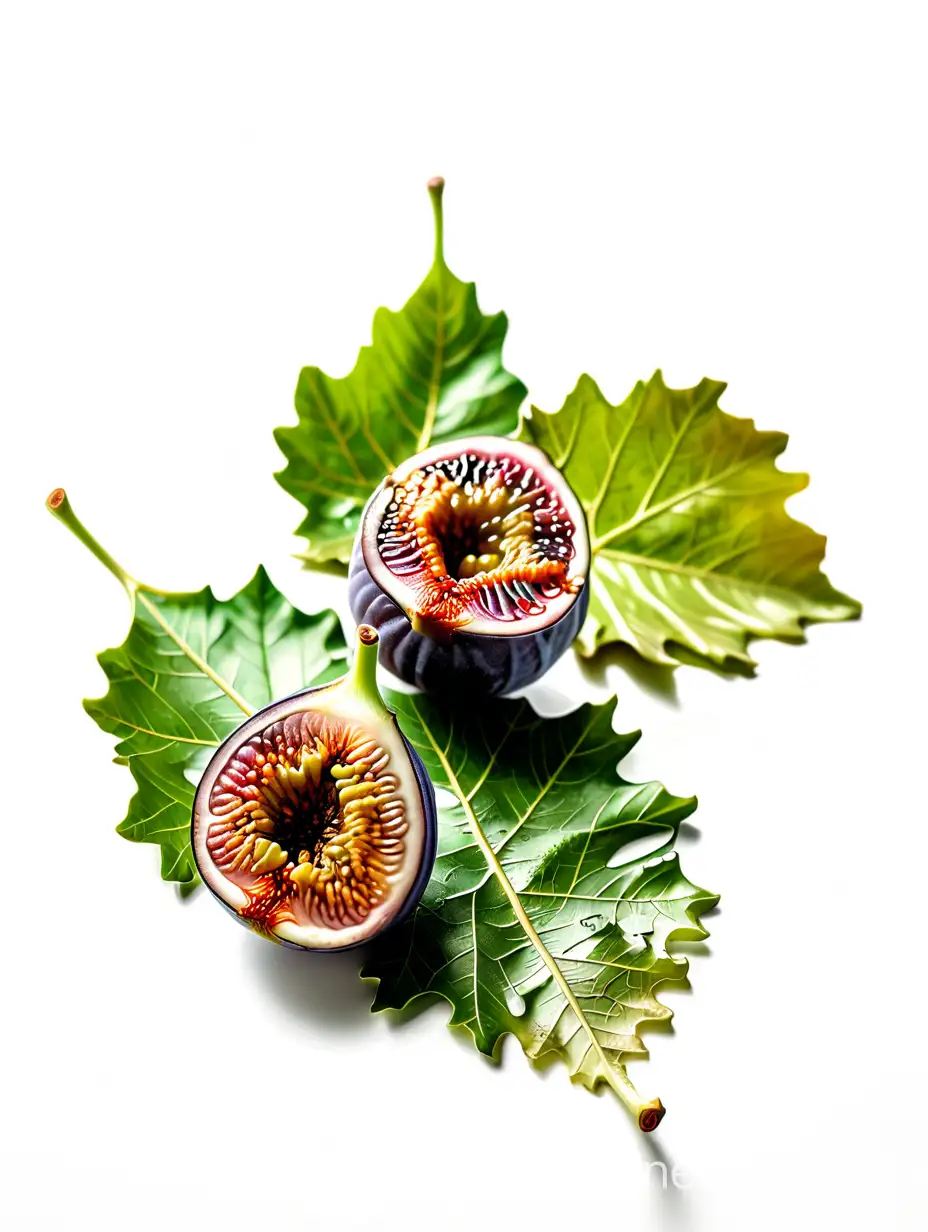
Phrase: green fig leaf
(177, 686)
(534, 923)
(433, 372)
(544, 917)
(691, 543)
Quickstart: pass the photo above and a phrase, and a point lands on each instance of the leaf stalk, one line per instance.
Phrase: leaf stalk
(59, 506)
(436, 187)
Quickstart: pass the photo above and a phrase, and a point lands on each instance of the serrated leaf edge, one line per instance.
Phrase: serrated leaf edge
(613, 1074)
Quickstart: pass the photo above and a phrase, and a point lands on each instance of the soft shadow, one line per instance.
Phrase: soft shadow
(690, 949)
(184, 891)
(664, 1026)
(727, 670)
(321, 989)
(438, 1007)
(689, 833)
(334, 568)
(669, 1203)
(656, 679)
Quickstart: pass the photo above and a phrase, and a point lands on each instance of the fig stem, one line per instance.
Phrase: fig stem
(436, 187)
(60, 507)
(363, 672)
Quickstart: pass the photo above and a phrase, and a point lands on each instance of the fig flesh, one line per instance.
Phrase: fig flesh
(315, 821)
(471, 562)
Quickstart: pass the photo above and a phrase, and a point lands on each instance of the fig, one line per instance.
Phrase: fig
(315, 821)
(471, 562)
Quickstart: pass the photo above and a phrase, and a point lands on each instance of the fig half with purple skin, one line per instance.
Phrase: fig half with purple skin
(315, 821)
(471, 562)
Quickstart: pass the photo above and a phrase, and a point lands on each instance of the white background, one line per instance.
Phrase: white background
(199, 199)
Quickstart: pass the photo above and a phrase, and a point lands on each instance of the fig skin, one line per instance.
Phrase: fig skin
(413, 776)
(430, 850)
(473, 664)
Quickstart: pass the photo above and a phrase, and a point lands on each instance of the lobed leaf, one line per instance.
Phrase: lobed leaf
(433, 372)
(692, 545)
(168, 713)
(533, 922)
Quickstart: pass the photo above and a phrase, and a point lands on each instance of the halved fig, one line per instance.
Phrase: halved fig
(315, 822)
(471, 562)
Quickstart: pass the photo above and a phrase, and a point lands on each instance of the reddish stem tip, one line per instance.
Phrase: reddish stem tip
(368, 635)
(55, 499)
(436, 184)
(650, 1116)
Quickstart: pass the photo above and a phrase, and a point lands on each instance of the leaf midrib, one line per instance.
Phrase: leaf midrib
(709, 575)
(147, 731)
(614, 1074)
(192, 655)
(431, 406)
(646, 512)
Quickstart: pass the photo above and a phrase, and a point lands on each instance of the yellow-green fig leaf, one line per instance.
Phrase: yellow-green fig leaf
(692, 546)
